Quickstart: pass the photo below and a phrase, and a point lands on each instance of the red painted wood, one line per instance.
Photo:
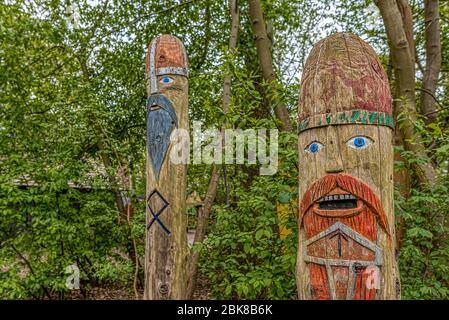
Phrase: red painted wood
(365, 223)
(341, 282)
(318, 282)
(343, 77)
(362, 292)
(170, 52)
(354, 186)
(340, 63)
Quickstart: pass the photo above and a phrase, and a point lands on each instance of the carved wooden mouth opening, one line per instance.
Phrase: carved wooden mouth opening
(338, 205)
(154, 107)
(337, 202)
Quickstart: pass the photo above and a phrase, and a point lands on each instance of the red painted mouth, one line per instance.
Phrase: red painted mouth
(338, 203)
(340, 195)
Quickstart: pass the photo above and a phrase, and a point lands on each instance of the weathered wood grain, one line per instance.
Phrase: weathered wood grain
(166, 250)
(346, 216)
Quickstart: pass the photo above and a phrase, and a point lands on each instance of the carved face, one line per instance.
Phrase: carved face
(352, 150)
(167, 87)
(346, 162)
(341, 208)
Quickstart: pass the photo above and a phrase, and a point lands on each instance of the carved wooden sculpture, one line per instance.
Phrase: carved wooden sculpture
(346, 247)
(166, 236)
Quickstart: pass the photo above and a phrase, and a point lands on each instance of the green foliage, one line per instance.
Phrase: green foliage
(43, 233)
(424, 227)
(424, 254)
(57, 123)
(72, 130)
(243, 254)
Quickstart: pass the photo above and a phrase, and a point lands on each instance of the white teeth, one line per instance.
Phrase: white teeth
(337, 197)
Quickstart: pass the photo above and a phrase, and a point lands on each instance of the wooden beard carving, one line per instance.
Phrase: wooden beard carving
(166, 237)
(346, 218)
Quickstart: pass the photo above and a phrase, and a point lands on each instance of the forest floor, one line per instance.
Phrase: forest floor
(202, 292)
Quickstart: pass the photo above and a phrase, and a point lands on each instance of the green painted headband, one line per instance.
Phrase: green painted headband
(347, 117)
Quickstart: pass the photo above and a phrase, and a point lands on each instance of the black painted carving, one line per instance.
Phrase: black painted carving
(161, 121)
(157, 214)
(339, 235)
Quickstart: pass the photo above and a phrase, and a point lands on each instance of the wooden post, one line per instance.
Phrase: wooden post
(166, 250)
(346, 245)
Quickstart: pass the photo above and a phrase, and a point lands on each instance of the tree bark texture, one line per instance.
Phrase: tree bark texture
(402, 176)
(263, 45)
(403, 65)
(407, 22)
(433, 59)
(203, 218)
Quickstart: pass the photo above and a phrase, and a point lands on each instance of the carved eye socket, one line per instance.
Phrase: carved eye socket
(314, 147)
(359, 142)
(166, 80)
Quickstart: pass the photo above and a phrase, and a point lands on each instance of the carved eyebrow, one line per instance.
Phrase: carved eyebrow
(353, 134)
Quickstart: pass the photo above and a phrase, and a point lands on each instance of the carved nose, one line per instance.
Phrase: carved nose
(334, 166)
(334, 163)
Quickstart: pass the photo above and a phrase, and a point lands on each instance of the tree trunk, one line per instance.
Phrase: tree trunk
(263, 45)
(433, 59)
(234, 11)
(204, 212)
(200, 232)
(402, 176)
(405, 80)
(407, 22)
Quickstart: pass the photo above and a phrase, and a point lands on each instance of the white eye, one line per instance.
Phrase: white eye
(166, 80)
(359, 142)
(314, 147)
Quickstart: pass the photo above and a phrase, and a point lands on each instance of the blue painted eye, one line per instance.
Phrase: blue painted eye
(166, 80)
(359, 142)
(314, 147)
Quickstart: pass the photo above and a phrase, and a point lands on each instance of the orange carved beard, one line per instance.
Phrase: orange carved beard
(344, 199)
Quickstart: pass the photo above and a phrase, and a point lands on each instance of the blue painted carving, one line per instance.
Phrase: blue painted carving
(156, 215)
(161, 120)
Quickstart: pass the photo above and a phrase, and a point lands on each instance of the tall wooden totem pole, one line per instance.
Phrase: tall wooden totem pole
(346, 246)
(166, 250)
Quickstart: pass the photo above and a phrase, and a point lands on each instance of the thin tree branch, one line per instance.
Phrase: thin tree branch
(263, 45)
(433, 97)
(207, 32)
(226, 183)
(31, 269)
(403, 63)
(433, 59)
(205, 210)
(149, 15)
